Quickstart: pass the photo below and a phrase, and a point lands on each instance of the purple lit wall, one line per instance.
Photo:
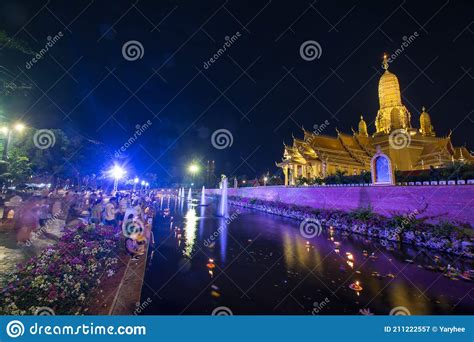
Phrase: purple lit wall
(443, 202)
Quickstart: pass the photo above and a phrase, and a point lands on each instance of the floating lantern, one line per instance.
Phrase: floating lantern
(356, 286)
(211, 264)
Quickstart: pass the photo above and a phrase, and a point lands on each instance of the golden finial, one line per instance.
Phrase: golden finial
(385, 62)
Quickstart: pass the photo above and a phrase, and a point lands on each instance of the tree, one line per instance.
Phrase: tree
(19, 166)
(15, 44)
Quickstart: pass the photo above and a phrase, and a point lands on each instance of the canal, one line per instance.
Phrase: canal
(258, 263)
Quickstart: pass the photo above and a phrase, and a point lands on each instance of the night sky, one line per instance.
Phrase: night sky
(259, 89)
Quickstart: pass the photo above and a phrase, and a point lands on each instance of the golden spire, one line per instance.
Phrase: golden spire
(363, 127)
(389, 88)
(385, 62)
(425, 123)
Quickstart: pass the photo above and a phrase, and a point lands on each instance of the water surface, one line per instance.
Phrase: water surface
(264, 266)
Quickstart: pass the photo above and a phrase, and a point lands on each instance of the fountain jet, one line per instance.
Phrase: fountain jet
(190, 195)
(203, 196)
(223, 206)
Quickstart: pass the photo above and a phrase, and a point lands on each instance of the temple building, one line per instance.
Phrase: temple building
(409, 148)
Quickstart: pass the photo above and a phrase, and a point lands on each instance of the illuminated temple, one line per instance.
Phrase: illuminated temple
(409, 148)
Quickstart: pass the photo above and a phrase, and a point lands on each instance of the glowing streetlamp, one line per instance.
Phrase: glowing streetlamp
(18, 127)
(135, 182)
(193, 169)
(265, 179)
(117, 173)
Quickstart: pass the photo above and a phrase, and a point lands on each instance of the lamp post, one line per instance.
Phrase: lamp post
(117, 173)
(135, 182)
(265, 179)
(193, 169)
(18, 127)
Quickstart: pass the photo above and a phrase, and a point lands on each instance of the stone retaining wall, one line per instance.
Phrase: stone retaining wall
(441, 202)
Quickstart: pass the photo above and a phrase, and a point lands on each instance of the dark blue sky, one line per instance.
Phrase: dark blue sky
(186, 103)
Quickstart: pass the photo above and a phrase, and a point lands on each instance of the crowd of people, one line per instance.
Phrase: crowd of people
(130, 211)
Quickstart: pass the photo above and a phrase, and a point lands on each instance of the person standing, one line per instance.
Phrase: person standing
(110, 211)
(96, 212)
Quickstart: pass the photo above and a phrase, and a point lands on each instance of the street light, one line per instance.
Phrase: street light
(117, 173)
(135, 182)
(18, 127)
(265, 179)
(193, 169)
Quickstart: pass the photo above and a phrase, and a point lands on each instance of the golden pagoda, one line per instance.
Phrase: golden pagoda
(316, 155)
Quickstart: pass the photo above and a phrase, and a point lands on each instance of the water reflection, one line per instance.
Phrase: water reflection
(269, 259)
(223, 239)
(190, 227)
(202, 214)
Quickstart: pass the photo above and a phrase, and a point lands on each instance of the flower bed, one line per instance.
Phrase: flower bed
(410, 229)
(63, 275)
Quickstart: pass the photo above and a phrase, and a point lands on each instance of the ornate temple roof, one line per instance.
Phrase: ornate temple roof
(356, 150)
